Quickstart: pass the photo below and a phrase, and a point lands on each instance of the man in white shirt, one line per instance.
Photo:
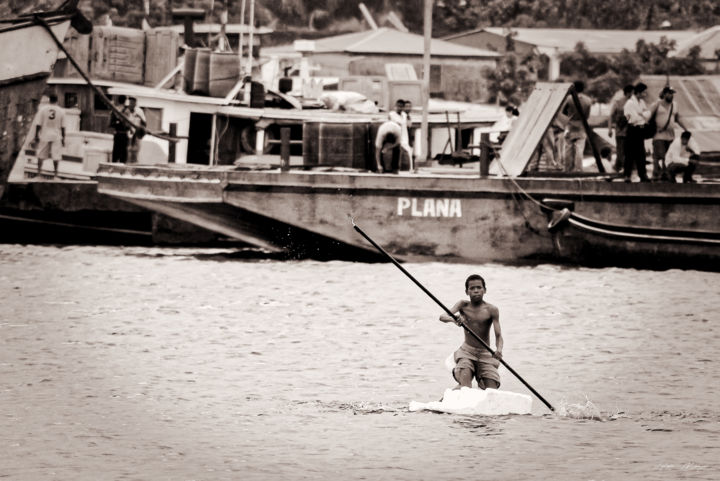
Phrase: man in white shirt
(50, 133)
(137, 117)
(401, 117)
(682, 157)
(388, 139)
(637, 114)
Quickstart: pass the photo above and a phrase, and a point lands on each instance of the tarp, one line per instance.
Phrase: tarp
(698, 101)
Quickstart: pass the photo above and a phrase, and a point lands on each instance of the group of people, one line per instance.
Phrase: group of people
(393, 136)
(126, 137)
(49, 139)
(632, 121)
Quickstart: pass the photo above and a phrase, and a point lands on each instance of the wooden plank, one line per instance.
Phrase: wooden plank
(535, 118)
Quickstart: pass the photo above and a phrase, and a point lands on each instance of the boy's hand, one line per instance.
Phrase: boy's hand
(460, 319)
(498, 355)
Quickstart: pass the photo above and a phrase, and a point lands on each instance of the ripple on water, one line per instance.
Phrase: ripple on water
(233, 358)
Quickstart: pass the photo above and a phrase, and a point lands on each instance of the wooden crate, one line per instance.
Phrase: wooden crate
(117, 53)
(162, 48)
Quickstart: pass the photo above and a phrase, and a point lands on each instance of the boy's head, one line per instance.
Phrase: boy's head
(474, 277)
(685, 137)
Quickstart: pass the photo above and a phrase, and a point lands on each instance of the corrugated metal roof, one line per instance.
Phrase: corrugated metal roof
(708, 41)
(231, 28)
(388, 41)
(597, 41)
(698, 102)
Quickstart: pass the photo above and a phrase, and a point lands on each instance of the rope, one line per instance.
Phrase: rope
(100, 93)
(523, 192)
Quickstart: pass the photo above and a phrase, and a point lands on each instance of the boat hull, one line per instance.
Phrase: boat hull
(414, 217)
(579, 239)
(27, 57)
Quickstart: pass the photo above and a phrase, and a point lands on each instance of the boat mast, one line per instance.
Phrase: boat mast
(240, 39)
(251, 24)
(427, 34)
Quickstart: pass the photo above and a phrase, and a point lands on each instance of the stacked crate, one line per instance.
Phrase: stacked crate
(117, 53)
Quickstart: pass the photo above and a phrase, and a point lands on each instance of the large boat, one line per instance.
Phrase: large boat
(30, 45)
(456, 214)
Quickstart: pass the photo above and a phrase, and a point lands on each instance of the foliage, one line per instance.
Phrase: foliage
(604, 75)
(514, 77)
(449, 16)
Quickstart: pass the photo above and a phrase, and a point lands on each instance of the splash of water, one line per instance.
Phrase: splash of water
(587, 410)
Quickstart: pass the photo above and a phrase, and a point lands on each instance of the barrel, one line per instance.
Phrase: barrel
(224, 73)
(189, 69)
(342, 144)
(200, 84)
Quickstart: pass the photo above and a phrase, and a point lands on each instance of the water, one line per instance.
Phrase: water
(172, 364)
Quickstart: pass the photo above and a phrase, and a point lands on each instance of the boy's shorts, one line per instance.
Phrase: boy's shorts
(479, 361)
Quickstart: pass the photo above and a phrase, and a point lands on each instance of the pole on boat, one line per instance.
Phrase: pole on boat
(449, 312)
(240, 37)
(427, 37)
(251, 24)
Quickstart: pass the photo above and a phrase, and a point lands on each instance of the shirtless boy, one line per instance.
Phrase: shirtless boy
(472, 360)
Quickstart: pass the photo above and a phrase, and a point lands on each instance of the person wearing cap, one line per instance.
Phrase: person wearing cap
(638, 115)
(666, 116)
(137, 117)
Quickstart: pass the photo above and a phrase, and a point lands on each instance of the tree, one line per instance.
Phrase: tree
(512, 81)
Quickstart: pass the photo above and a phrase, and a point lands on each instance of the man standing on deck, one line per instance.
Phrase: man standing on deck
(638, 115)
(666, 116)
(120, 136)
(472, 359)
(576, 135)
(618, 122)
(50, 134)
(137, 117)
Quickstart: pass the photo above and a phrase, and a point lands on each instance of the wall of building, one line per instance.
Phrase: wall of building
(450, 78)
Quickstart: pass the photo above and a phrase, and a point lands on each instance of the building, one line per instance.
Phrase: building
(555, 41)
(709, 43)
(456, 71)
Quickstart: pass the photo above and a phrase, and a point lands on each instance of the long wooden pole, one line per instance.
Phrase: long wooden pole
(251, 24)
(450, 313)
(240, 38)
(427, 36)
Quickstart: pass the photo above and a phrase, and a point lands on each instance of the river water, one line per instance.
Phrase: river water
(195, 364)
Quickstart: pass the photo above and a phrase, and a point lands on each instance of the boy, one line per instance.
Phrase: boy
(472, 359)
